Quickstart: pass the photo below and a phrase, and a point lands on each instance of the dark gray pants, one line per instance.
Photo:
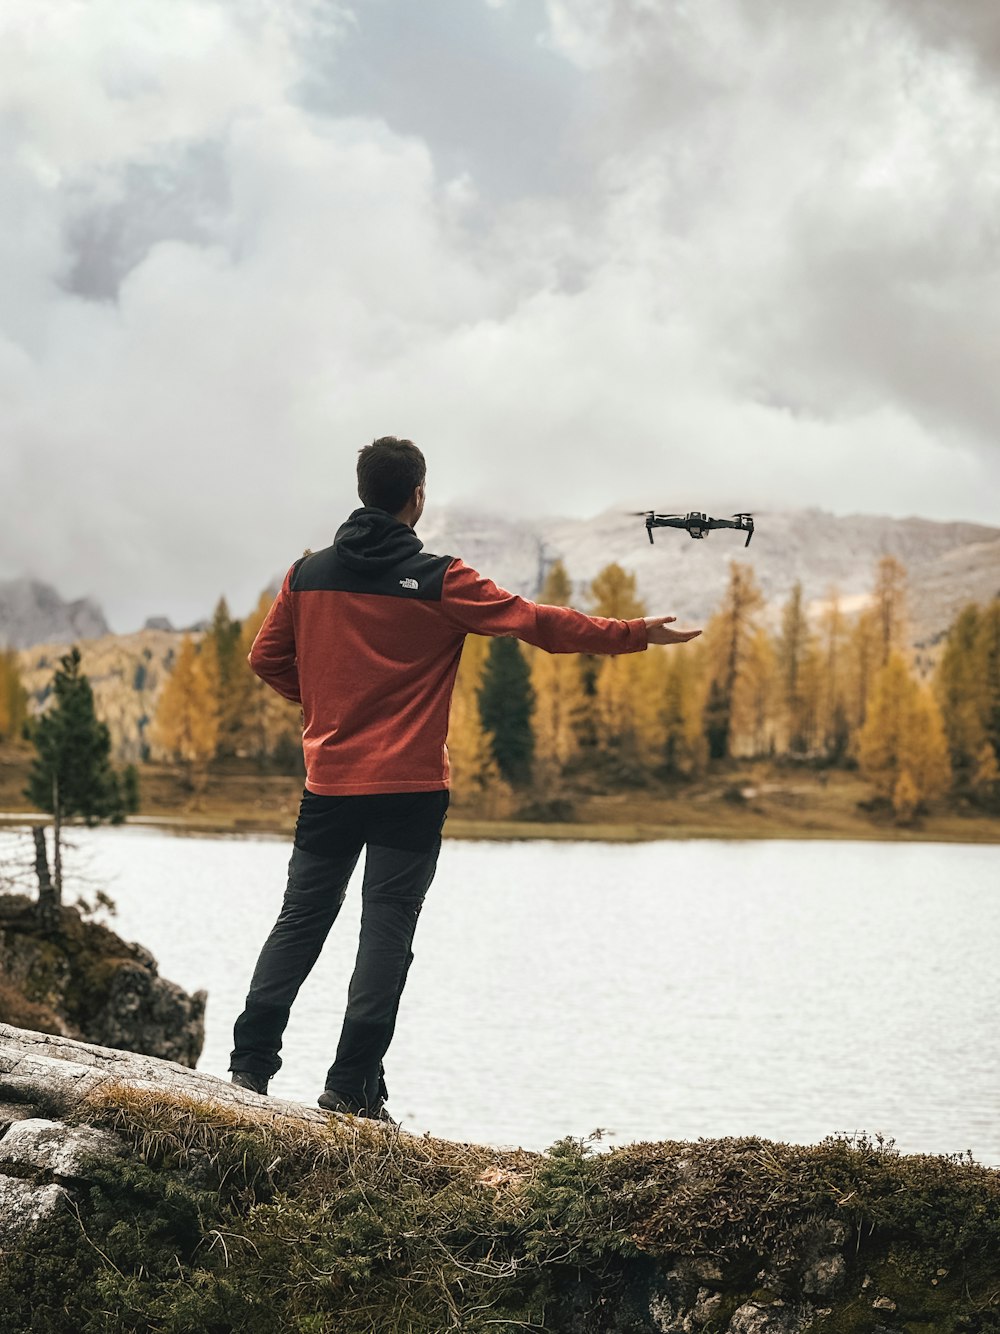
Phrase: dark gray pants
(402, 834)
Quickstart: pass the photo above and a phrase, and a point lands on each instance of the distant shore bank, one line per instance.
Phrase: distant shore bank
(755, 801)
(504, 831)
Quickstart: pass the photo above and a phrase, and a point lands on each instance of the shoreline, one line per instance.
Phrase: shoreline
(462, 828)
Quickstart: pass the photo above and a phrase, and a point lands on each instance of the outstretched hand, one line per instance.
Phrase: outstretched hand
(658, 631)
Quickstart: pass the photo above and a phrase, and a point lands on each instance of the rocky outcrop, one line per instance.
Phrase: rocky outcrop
(85, 982)
(186, 1203)
(48, 1085)
(126, 673)
(41, 1162)
(56, 1077)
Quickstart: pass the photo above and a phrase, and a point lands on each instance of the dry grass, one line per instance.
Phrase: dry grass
(181, 1131)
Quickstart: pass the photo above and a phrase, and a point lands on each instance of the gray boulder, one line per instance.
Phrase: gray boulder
(44, 1078)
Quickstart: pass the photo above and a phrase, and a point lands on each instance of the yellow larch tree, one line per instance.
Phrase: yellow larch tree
(800, 671)
(927, 751)
(560, 708)
(902, 748)
(627, 688)
(614, 711)
(792, 646)
(13, 697)
(988, 656)
(833, 724)
(757, 696)
(729, 633)
(684, 751)
(186, 726)
(862, 661)
(889, 607)
(268, 722)
(557, 588)
(613, 593)
(810, 695)
(959, 685)
(967, 685)
(561, 701)
(878, 631)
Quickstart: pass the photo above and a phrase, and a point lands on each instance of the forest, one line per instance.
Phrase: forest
(811, 684)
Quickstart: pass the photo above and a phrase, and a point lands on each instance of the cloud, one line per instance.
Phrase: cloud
(476, 80)
(969, 26)
(826, 198)
(772, 266)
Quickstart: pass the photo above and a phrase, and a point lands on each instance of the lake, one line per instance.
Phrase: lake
(664, 990)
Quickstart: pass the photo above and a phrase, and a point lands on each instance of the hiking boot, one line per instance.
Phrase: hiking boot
(246, 1079)
(332, 1101)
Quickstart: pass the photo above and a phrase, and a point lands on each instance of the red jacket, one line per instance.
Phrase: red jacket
(366, 635)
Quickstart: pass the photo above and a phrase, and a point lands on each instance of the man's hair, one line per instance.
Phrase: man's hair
(389, 471)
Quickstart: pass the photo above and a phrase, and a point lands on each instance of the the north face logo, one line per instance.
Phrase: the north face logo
(408, 583)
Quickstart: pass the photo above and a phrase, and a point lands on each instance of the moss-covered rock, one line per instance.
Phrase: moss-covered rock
(86, 982)
(214, 1209)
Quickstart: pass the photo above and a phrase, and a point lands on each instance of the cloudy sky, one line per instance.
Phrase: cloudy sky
(584, 252)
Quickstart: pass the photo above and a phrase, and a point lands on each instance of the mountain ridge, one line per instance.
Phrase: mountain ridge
(949, 563)
(32, 612)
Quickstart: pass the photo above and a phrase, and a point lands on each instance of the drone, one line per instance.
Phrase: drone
(697, 525)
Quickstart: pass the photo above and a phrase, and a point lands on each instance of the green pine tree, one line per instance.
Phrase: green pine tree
(130, 789)
(506, 702)
(716, 722)
(71, 775)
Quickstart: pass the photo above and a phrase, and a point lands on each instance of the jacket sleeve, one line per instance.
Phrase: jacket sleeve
(272, 654)
(477, 606)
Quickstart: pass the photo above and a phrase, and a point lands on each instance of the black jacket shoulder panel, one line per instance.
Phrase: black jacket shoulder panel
(419, 576)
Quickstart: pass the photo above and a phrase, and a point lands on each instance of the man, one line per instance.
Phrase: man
(366, 635)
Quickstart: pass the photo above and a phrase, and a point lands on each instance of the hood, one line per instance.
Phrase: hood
(371, 540)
